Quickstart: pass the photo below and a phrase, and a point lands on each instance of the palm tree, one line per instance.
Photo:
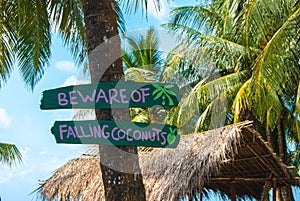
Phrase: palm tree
(142, 51)
(254, 46)
(83, 25)
(142, 60)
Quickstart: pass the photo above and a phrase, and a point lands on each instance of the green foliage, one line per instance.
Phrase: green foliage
(26, 30)
(133, 5)
(142, 61)
(33, 40)
(241, 36)
(66, 17)
(254, 49)
(140, 75)
(142, 51)
(9, 154)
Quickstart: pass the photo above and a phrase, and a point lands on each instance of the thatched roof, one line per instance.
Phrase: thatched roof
(201, 161)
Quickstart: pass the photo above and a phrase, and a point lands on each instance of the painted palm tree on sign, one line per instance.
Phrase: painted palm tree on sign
(254, 46)
(83, 26)
(164, 93)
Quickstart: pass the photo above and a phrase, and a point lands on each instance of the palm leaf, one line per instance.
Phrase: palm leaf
(205, 95)
(277, 70)
(67, 20)
(9, 154)
(133, 5)
(241, 101)
(142, 51)
(140, 75)
(203, 117)
(7, 39)
(34, 40)
(200, 17)
(142, 115)
(297, 115)
(120, 18)
(128, 60)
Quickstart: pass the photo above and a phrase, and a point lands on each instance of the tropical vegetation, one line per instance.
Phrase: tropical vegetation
(240, 60)
(253, 47)
(143, 63)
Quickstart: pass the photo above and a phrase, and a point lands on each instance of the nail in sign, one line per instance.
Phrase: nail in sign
(122, 94)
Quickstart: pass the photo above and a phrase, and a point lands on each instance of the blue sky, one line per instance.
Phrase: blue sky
(24, 124)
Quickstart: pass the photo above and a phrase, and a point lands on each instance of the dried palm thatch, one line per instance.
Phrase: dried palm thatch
(201, 161)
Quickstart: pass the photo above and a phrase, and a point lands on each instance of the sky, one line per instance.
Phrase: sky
(24, 124)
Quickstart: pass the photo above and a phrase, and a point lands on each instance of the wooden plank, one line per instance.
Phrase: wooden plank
(243, 180)
(115, 133)
(274, 189)
(122, 94)
(232, 177)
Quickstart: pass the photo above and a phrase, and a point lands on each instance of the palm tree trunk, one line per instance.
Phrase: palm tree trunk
(269, 138)
(119, 165)
(285, 191)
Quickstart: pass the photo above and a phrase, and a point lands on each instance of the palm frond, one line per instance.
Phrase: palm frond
(140, 115)
(214, 88)
(276, 70)
(8, 31)
(217, 113)
(133, 5)
(224, 52)
(9, 154)
(200, 17)
(203, 117)
(120, 18)
(67, 20)
(142, 51)
(128, 60)
(188, 34)
(261, 19)
(140, 75)
(205, 96)
(34, 40)
(241, 101)
(188, 65)
(296, 126)
(187, 108)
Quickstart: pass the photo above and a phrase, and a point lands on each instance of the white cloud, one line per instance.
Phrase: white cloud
(65, 66)
(5, 119)
(5, 174)
(161, 14)
(44, 153)
(8, 173)
(24, 151)
(72, 80)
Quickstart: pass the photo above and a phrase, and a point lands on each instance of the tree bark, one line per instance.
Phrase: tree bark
(269, 137)
(121, 174)
(285, 191)
(281, 142)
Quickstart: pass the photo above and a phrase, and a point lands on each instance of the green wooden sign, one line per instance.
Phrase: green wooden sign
(115, 133)
(122, 94)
